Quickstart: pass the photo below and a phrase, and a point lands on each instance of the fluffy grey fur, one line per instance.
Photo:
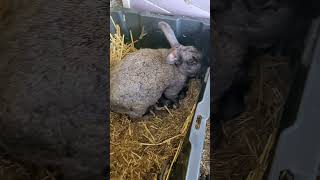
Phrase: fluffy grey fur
(142, 77)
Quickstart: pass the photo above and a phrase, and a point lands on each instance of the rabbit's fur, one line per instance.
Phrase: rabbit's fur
(53, 93)
(141, 78)
(242, 25)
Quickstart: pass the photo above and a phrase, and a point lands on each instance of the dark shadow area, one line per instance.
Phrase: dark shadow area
(258, 48)
(53, 89)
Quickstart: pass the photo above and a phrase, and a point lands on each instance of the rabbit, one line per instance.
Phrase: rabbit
(163, 101)
(142, 77)
(53, 92)
(244, 27)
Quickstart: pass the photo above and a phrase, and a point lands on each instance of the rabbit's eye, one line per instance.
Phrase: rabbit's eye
(194, 59)
(191, 63)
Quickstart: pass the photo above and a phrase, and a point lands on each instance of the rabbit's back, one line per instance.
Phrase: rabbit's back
(140, 78)
(51, 63)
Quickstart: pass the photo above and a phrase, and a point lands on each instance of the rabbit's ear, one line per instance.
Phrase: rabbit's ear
(168, 32)
(172, 57)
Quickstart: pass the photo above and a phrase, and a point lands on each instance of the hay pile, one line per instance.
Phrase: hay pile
(141, 149)
(118, 47)
(251, 136)
(205, 161)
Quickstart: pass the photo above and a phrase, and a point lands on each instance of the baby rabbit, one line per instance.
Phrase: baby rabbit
(141, 78)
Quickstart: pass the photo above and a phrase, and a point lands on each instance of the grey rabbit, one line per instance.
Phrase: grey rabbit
(53, 85)
(142, 77)
(242, 27)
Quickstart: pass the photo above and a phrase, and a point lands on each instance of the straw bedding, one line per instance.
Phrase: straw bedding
(140, 149)
(245, 154)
